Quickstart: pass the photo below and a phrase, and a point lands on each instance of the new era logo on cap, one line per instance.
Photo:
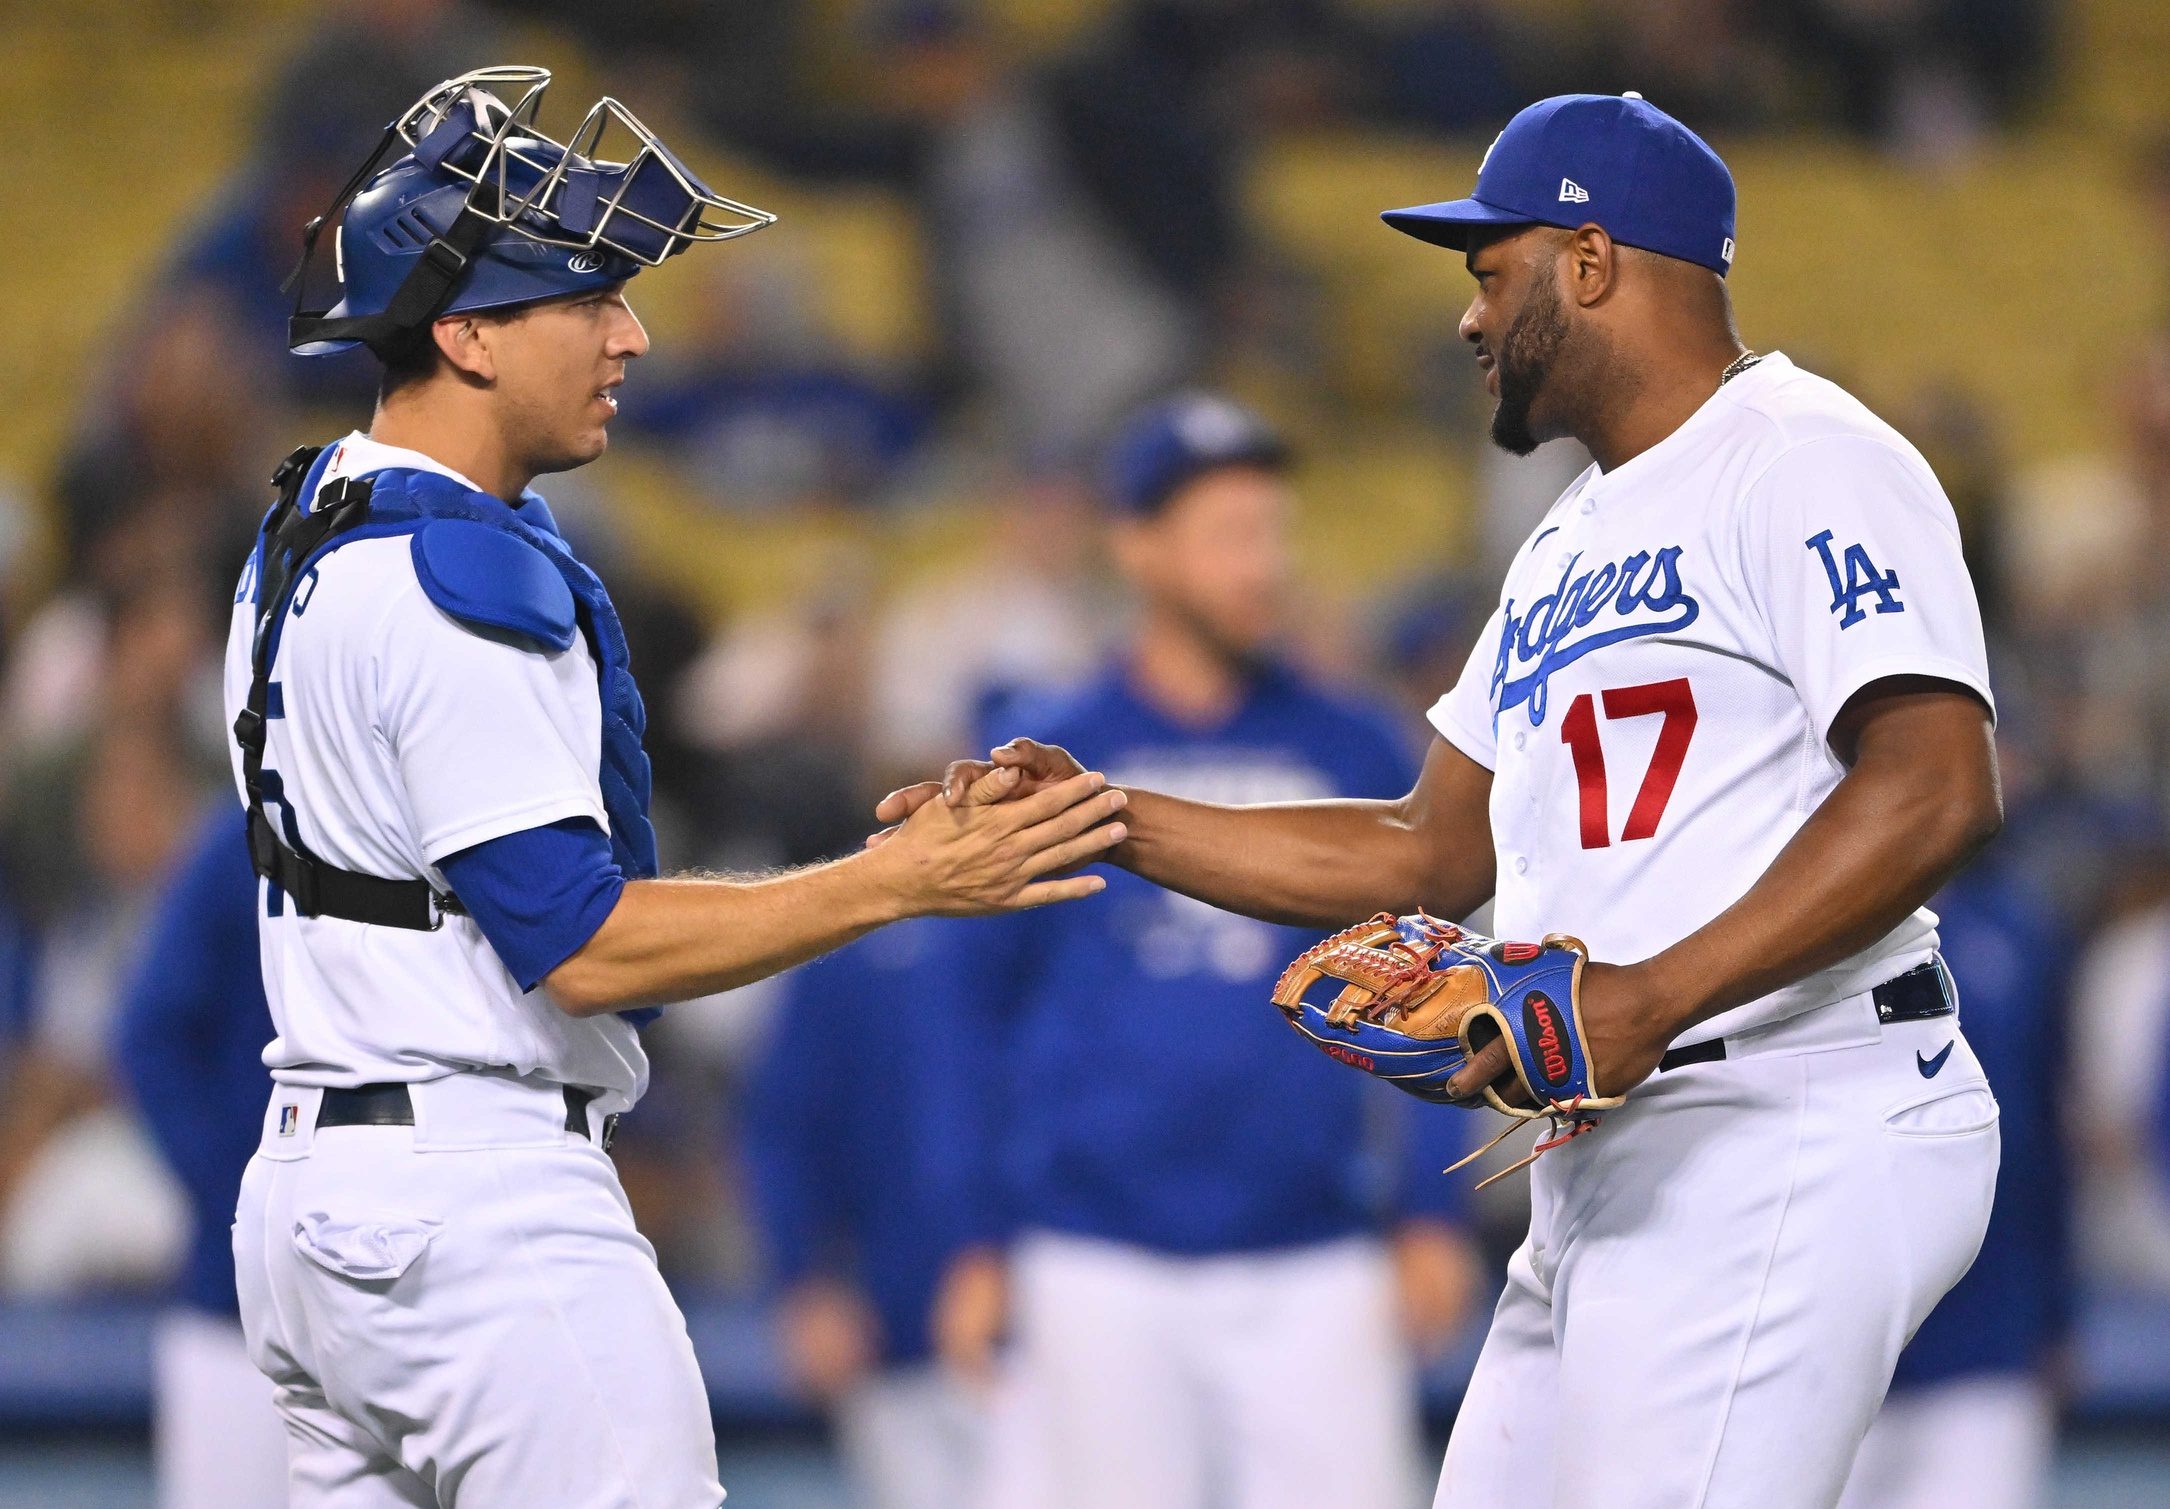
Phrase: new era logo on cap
(1572, 192)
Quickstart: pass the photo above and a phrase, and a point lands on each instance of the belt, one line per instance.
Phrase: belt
(1921, 993)
(390, 1105)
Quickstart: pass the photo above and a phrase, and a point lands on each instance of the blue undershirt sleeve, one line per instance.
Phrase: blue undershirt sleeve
(539, 894)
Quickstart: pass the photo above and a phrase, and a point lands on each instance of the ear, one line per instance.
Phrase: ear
(465, 342)
(1593, 264)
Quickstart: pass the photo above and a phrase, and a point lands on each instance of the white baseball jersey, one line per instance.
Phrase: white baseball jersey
(1654, 692)
(406, 737)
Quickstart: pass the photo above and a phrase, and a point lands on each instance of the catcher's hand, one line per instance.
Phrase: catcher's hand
(1419, 996)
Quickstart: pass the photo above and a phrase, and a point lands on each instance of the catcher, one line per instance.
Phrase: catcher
(1730, 724)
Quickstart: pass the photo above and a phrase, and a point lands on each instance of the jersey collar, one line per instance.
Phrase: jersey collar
(1749, 385)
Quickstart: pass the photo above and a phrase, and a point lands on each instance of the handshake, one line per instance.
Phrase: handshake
(997, 835)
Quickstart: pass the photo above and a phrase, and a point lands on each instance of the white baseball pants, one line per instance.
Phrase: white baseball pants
(911, 1438)
(461, 1315)
(1718, 1280)
(1254, 1381)
(217, 1442)
(1983, 1442)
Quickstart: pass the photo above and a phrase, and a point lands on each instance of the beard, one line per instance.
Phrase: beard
(1525, 361)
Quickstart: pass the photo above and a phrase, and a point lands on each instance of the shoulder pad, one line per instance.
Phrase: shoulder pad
(487, 578)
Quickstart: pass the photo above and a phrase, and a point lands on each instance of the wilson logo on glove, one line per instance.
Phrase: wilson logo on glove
(1541, 1026)
(1417, 997)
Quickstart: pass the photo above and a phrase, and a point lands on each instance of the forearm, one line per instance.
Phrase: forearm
(1317, 864)
(1880, 846)
(669, 940)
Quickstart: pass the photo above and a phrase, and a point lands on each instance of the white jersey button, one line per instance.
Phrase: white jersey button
(1521, 865)
(1520, 739)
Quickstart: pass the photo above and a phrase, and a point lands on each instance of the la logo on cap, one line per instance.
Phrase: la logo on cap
(1572, 192)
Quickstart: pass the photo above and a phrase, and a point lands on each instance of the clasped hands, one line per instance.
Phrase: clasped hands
(1003, 836)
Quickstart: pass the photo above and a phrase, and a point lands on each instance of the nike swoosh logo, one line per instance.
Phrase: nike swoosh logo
(1930, 1066)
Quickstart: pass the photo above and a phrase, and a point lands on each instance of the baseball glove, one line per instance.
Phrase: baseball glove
(1418, 996)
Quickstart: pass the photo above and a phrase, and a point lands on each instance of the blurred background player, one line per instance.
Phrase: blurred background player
(855, 1175)
(1971, 1419)
(189, 1044)
(1155, 1232)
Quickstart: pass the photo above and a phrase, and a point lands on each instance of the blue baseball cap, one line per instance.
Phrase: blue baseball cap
(1595, 159)
(1167, 444)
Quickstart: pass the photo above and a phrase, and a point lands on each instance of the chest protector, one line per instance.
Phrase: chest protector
(500, 571)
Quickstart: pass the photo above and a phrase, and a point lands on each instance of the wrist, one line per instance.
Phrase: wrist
(1123, 855)
(1668, 997)
(883, 889)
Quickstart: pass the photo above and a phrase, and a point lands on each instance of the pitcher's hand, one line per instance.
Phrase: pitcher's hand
(1038, 766)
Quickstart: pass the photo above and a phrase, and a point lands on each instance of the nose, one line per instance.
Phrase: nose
(1468, 327)
(630, 338)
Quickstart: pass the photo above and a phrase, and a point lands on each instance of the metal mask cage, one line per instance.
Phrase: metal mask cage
(644, 209)
(648, 206)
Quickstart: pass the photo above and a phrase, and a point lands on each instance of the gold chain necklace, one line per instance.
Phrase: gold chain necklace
(1738, 365)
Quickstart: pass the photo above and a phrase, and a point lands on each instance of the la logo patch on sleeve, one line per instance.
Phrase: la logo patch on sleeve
(1862, 579)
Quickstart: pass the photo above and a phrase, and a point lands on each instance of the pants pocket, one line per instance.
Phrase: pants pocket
(1957, 1112)
(372, 1249)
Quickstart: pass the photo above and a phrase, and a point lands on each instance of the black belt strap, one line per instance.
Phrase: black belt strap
(392, 1105)
(318, 889)
(1916, 996)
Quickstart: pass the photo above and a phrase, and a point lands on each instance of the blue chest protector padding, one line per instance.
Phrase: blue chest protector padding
(501, 571)
(490, 579)
(507, 570)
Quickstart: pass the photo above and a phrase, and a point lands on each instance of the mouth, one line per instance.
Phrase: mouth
(1490, 369)
(607, 396)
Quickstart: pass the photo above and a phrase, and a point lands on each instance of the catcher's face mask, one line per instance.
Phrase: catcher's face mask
(481, 210)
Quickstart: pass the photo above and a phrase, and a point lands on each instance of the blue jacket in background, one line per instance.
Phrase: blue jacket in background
(189, 1043)
(849, 1139)
(1147, 1091)
(2011, 960)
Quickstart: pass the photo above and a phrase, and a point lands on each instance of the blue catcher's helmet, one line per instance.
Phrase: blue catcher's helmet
(483, 211)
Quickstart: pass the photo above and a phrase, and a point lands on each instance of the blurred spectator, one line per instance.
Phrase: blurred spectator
(365, 62)
(779, 705)
(1025, 613)
(1701, 60)
(759, 406)
(1452, 66)
(142, 654)
(167, 471)
(1144, 1224)
(1060, 316)
(2121, 1052)
(61, 1133)
(1928, 77)
(1972, 1414)
(189, 1044)
(2112, 630)
(854, 1174)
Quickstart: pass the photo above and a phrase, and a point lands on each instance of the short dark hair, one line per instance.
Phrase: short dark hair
(407, 358)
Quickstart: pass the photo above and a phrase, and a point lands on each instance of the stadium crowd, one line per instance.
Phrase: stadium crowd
(1103, 170)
